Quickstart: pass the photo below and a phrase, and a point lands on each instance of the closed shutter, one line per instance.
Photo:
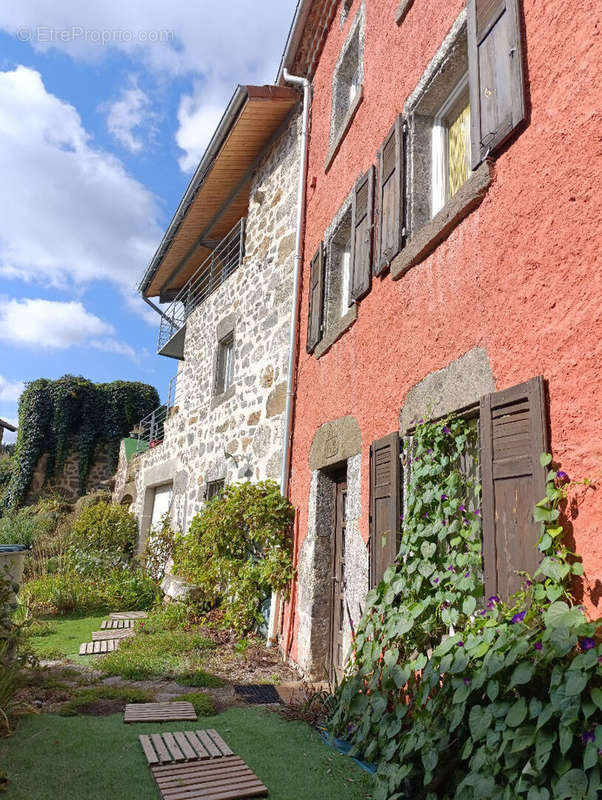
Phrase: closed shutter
(497, 96)
(316, 299)
(361, 235)
(384, 505)
(390, 197)
(513, 434)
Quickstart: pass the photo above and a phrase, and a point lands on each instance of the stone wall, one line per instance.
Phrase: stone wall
(67, 481)
(237, 435)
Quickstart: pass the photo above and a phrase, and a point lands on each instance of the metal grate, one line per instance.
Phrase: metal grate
(215, 269)
(258, 693)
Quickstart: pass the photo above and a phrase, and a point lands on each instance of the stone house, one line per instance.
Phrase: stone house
(449, 267)
(226, 266)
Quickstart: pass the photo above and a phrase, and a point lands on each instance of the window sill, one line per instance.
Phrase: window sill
(335, 333)
(401, 11)
(436, 230)
(334, 147)
(218, 399)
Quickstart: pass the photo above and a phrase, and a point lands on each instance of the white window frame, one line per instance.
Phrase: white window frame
(439, 144)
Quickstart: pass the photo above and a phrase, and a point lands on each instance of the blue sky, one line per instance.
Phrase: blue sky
(105, 109)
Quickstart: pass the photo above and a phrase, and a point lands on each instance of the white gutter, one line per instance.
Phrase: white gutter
(272, 636)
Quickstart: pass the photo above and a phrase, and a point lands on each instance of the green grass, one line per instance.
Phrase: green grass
(60, 637)
(52, 757)
(172, 654)
(203, 704)
(84, 697)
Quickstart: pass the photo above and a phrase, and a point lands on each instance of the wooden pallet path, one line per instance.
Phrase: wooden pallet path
(112, 624)
(99, 647)
(227, 778)
(159, 712)
(170, 748)
(124, 633)
(129, 615)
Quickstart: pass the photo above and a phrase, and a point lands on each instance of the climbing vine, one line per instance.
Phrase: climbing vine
(72, 413)
(459, 696)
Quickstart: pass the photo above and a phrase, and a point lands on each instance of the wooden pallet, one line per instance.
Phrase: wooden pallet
(112, 624)
(227, 778)
(124, 633)
(98, 648)
(171, 748)
(129, 615)
(159, 712)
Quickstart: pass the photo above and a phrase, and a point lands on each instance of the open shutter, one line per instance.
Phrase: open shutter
(497, 96)
(316, 299)
(384, 505)
(361, 234)
(513, 434)
(390, 197)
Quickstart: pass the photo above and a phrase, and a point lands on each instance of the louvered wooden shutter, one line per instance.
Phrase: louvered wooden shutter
(384, 505)
(361, 235)
(316, 299)
(390, 197)
(497, 96)
(513, 434)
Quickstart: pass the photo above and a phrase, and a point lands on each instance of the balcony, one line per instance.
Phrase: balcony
(215, 269)
(150, 431)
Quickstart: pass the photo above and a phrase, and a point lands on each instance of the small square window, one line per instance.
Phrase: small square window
(214, 489)
(451, 146)
(338, 269)
(224, 366)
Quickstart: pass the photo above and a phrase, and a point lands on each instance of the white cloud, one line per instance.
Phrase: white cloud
(198, 119)
(10, 391)
(71, 214)
(56, 325)
(130, 118)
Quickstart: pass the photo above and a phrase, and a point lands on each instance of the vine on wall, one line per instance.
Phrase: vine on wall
(72, 412)
(459, 696)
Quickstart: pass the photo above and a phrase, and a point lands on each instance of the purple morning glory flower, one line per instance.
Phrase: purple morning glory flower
(420, 421)
(444, 497)
(462, 508)
(429, 451)
(538, 646)
(467, 574)
(435, 580)
(451, 569)
(466, 682)
(445, 429)
(518, 617)
(493, 599)
(460, 644)
(478, 512)
(483, 612)
(561, 475)
(587, 644)
(445, 604)
(588, 736)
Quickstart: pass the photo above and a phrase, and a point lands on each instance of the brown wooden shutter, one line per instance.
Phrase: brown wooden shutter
(390, 197)
(384, 505)
(361, 234)
(497, 96)
(316, 299)
(513, 434)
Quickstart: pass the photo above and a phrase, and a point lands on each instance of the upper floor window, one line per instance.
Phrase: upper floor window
(451, 146)
(338, 273)
(224, 366)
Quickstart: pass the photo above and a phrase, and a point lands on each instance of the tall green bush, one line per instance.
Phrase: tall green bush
(238, 550)
(506, 703)
(105, 526)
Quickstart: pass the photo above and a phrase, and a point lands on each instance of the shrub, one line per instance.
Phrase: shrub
(159, 549)
(238, 550)
(26, 526)
(105, 526)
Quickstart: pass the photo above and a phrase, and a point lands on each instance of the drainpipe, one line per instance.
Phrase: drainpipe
(272, 636)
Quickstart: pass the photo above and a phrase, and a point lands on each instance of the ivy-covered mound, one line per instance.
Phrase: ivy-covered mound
(456, 696)
(238, 550)
(52, 414)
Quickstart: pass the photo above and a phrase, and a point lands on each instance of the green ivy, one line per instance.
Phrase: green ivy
(457, 696)
(73, 411)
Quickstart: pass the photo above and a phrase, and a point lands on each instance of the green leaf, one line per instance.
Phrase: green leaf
(596, 695)
(493, 689)
(538, 793)
(571, 786)
(575, 683)
(428, 549)
(517, 713)
(590, 757)
(522, 674)
(469, 605)
(545, 459)
(565, 739)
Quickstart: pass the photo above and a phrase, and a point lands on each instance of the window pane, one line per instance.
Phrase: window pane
(458, 156)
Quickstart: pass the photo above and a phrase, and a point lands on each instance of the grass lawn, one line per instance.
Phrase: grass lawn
(52, 757)
(60, 637)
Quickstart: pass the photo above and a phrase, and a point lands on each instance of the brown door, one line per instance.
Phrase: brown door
(337, 614)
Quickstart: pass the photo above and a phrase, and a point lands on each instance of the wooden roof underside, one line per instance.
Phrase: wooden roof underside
(263, 112)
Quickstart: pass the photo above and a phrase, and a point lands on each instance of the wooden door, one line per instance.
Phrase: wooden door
(337, 614)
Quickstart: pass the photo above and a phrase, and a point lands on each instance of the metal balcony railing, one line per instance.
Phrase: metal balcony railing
(150, 431)
(214, 270)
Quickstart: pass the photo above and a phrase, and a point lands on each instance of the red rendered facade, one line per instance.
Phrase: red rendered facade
(519, 276)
